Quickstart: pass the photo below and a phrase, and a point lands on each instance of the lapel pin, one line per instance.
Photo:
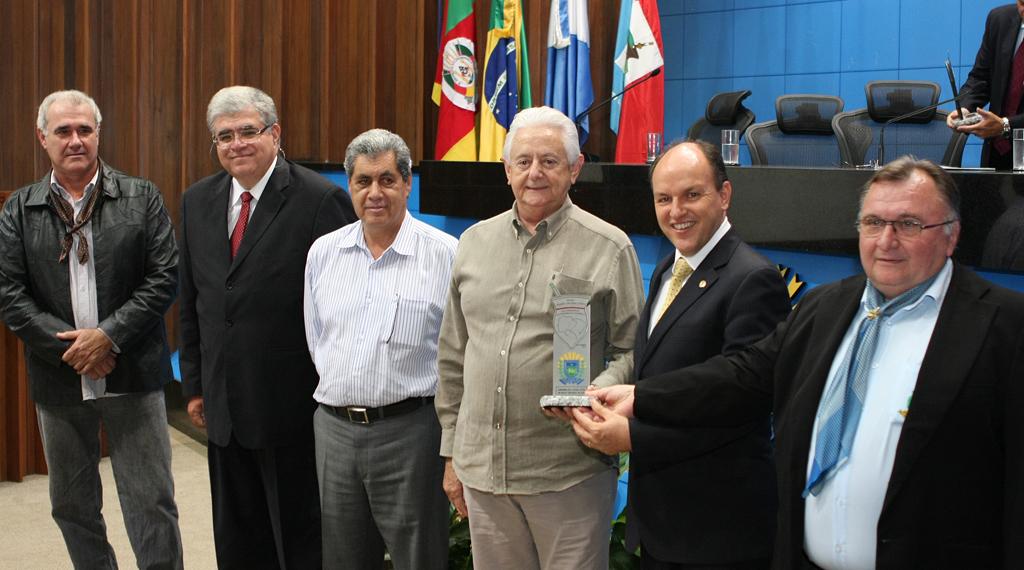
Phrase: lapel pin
(703, 283)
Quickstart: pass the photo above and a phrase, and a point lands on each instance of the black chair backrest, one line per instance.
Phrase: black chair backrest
(724, 111)
(800, 135)
(924, 136)
(890, 99)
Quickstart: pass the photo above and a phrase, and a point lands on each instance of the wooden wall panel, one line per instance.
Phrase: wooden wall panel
(19, 440)
(299, 94)
(349, 95)
(117, 38)
(18, 42)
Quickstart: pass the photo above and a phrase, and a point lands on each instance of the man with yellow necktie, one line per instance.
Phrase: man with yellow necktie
(707, 498)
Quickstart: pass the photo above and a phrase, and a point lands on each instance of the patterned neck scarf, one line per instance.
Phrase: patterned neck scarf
(66, 213)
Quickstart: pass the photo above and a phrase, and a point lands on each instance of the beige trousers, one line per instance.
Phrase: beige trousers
(549, 531)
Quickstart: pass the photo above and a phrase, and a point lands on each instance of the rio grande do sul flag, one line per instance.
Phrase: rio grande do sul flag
(455, 84)
(506, 81)
(638, 52)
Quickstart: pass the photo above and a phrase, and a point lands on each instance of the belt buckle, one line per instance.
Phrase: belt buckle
(355, 419)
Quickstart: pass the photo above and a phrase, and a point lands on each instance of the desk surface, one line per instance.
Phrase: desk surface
(802, 209)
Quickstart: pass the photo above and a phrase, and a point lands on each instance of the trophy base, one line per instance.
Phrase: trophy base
(565, 402)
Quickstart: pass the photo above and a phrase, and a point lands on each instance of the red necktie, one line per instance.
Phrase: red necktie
(1014, 91)
(241, 224)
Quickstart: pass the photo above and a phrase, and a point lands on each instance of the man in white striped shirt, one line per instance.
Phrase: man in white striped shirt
(375, 293)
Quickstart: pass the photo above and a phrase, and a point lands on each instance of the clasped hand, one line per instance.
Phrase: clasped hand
(90, 352)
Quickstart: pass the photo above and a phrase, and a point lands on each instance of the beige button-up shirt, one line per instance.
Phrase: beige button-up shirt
(495, 349)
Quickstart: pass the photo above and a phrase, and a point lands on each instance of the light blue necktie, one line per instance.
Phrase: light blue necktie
(841, 405)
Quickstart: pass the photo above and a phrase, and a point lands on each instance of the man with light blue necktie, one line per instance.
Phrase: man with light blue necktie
(895, 398)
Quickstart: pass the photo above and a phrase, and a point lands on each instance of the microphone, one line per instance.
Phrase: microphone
(594, 107)
(881, 132)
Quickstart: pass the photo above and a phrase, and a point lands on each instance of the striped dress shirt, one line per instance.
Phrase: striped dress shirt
(372, 324)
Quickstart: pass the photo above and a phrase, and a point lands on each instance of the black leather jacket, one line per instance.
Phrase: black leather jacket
(136, 281)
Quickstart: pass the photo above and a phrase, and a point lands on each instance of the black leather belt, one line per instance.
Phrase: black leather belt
(363, 415)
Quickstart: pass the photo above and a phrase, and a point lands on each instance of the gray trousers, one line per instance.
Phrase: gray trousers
(550, 531)
(380, 486)
(140, 454)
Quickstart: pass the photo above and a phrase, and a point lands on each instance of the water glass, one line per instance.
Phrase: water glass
(653, 146)
(1018, 150)
(731, 146)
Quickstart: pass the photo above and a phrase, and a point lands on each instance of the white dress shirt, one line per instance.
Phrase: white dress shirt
(83, 282)
(840, 523)
(695, 260)
(372, 324)
(235, 204)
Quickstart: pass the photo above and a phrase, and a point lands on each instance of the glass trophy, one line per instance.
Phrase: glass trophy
(571, 353)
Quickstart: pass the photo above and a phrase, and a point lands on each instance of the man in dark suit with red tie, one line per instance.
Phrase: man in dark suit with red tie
(997, 79)
(701, 498)
(247, 373)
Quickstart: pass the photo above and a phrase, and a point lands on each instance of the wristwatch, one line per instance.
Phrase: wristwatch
(1006, 128)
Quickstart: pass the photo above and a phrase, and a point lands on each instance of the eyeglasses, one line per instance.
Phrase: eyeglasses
(873, 226)
(246, 135)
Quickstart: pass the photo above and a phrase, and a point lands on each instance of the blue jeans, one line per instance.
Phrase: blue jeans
(140, 454)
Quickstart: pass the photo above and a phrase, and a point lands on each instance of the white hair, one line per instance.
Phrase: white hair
(545, 117)
(238, 99)
(71, 97)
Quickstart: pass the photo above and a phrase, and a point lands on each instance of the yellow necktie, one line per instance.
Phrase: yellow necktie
(680, 271)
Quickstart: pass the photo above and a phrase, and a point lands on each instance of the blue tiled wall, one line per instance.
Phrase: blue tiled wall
(831, 47)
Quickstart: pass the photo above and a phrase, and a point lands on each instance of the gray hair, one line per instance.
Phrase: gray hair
(378, 141)
(544, 117)
(901, 169)
(71, 97)
(238, 99)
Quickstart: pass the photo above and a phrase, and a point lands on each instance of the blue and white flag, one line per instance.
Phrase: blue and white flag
(569, 87)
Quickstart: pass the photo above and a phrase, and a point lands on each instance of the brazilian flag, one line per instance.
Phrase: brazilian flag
(506, 76)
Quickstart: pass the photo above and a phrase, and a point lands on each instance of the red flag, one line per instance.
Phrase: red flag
(455, 84)
(638, 52)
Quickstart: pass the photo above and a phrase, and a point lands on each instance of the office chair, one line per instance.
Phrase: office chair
(924, 135)
(800, 135)
(724, 111)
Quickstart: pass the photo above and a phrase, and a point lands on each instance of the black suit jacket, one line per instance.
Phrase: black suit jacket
(706, 496)
(243, 345)
(988, 79)
(955, 498)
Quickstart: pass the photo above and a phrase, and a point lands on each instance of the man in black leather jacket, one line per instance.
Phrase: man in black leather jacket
(87, 271)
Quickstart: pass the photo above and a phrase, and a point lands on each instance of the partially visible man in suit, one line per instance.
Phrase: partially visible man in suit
(87, 271)
(713, 295)
(997, 80)
(896, 398)
(247, 373)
